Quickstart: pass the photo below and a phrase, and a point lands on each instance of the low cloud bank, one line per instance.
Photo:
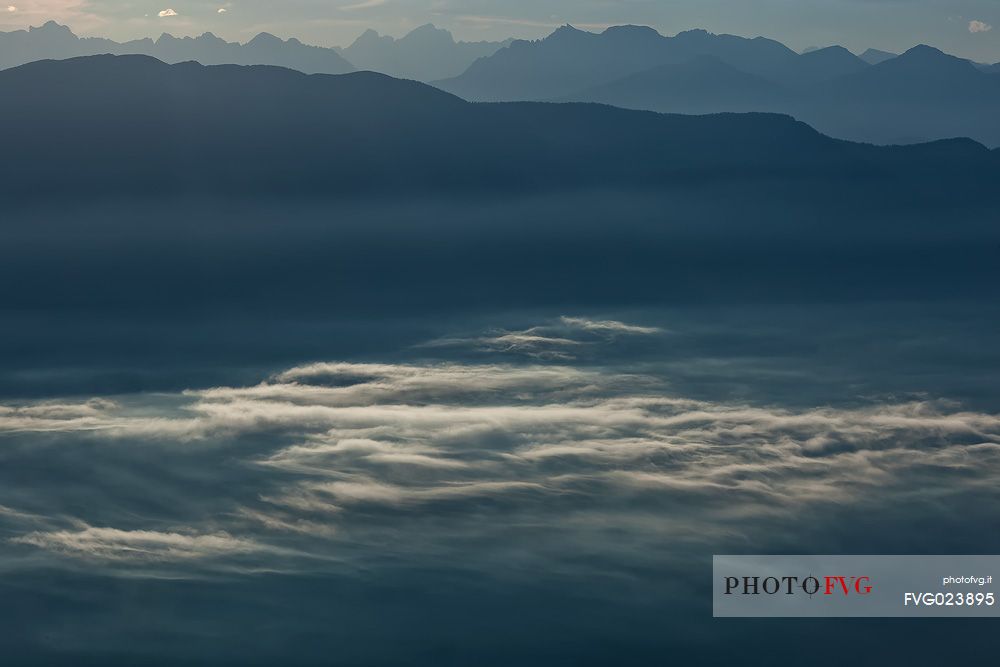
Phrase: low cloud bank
(332, 465)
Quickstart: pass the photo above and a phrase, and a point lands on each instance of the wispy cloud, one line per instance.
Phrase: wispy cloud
(367, 4)
(167, 12)
(979, 26)
(559, 340)
(137, 545)
(610, 327)
(323, 459)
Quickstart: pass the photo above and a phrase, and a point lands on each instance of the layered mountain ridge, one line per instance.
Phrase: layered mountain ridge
(133, 124)
(921, 95)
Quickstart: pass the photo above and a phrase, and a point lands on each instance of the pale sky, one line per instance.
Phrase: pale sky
(969, 28)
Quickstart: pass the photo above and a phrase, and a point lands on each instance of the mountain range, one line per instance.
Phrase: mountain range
(878, 97)
(425, 54)
(570, 60)
(54, 41)
(922, 95)
(133, 124)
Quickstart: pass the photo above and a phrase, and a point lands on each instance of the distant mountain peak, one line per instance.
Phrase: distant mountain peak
(697, 37)
(430, 34)
(566, 31)
(928, 60)
(832, 54)
(836, 48)
(370, 39)
(427, 28)
(923, 50)
(265, 38)
(211, 37)
(632, 30)
(51, 27)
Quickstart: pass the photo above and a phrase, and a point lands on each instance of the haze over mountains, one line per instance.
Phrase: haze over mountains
(920, 96)
(572, 60)
(878, 97)
(54, 41)
(425, 54)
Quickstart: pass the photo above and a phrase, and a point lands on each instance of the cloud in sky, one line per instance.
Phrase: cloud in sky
(979, 26)
(222, 10)
(167, 12)
(11, 8)
(366, 4)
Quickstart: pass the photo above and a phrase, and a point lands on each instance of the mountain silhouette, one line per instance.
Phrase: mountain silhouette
(571, 60)
(923, 72)
(759, 55)
(820, 65)
(921, 95)
(264, 49)
(567, 61)
(135, 125)
(54, 41)
(50, 40)
(425, 54)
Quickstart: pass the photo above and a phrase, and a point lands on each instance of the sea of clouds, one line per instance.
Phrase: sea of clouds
(538, 463)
